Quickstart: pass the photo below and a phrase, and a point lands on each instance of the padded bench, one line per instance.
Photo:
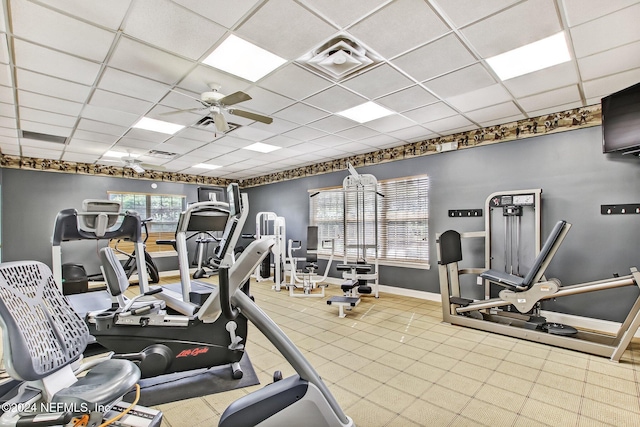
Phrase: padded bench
(342, 302)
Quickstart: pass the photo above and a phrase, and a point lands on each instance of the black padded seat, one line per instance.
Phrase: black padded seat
(100, 386)
(516, 283)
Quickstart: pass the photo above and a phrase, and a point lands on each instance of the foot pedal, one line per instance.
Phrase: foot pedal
(560, 329)
(460, 301)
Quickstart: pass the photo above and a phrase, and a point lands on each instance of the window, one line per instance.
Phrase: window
(164, 209)
(402, 214)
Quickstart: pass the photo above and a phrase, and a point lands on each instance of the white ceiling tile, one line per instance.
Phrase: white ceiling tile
(52, 29)
(431, 112)
(247, 132)
(10, 150)
(102, 98)
(107, 14)
(7, 110)
(282, 141)
(554, 110)
(599, 35)
(335, 99)
(412, 22)
(173, 28)
(329, 141)
(381, 141)
(358, 133)
(132, 85)
(51, 86)
(143, 60)
(495, 112)
(41, 153)
(580, 11)
(36, 143)
(131, 149)
(7, 122)
(78, 157)
(607, 85)
(95, 136)
(463, 12)
(147, 135)
(56, 64)
(46, 117)
(43, 102)
(407, 99)
(6, 79)
(389, 123)
(101, 127)
(333, 124)
(180, 145)
(45, 128)
(6, 94)
(378, 81)
(303, 29)
(611, 61)
(517, 25)
(550, 99)
(448, 125)
(2, 20)
(219, 10)
(305, 133)
(301, 113)
(212, 150)
(411, 133)
(8, 132)
(230, 141)
(294, 82)
(131, 143)
(264, 101)
(344, 13)
(544, 80)
(420, 63)
(6, 140)
(108, 115)
(355, 147)
(465, 80)
(4, 51)
(480, 98)
(277, 126)
(77, 145)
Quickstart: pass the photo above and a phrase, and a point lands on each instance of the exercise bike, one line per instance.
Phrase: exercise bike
(176, 335)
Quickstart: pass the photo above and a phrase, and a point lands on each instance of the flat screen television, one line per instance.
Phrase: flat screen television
(212, 194)
(621, 121)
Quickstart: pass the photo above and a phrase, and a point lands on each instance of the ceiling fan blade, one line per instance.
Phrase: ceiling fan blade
(221, 122)
(168, 113)
(251, 116)
(234, 98)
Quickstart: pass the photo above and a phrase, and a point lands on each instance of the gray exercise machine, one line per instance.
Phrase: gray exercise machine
(307, 277)
(270, 225)
(516, 310)
(43, 342)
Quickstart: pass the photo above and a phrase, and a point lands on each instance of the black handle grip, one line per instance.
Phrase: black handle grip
(225, 294)
(153, 291)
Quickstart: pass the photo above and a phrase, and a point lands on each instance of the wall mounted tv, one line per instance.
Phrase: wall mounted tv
(621, 121)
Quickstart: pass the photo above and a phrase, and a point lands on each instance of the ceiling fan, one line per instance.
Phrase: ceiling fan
(138, 166)
(217, 103)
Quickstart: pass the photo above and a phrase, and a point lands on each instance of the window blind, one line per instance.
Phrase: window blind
(402, 229)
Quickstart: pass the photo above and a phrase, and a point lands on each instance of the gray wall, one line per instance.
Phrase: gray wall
(576, 178)
(32, 199)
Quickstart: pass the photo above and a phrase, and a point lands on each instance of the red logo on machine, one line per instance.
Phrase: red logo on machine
(192, 352)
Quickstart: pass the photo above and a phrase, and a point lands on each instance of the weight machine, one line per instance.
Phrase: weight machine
(360, 233)
(308, 277)
(270, 225)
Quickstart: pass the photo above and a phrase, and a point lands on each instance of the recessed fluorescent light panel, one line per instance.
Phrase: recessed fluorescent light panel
(366, 112)
(243, 59)
(206, 166)
(262, 148)
(532, 57)
(157, 126)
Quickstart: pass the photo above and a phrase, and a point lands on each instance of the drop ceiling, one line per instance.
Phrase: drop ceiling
(87, 70)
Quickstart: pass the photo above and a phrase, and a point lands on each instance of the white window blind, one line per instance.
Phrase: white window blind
(403, 231)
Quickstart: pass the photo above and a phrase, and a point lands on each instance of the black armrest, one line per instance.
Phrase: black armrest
(504, 279)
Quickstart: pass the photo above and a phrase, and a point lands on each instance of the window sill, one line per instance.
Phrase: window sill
(388, 263)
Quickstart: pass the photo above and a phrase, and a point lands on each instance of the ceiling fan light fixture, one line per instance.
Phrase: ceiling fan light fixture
(243, 59)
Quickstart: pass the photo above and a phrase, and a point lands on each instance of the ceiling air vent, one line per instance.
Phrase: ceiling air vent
(339, 58)
(161, 154)
(208, 123)
(42, 137)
